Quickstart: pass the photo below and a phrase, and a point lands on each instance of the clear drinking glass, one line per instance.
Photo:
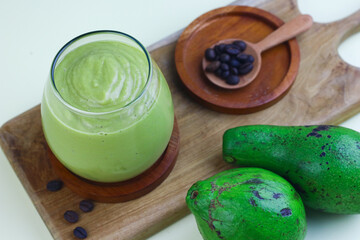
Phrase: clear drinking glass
(107, 111)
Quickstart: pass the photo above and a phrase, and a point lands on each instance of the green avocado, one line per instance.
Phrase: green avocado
(247, 203)
(321, 162)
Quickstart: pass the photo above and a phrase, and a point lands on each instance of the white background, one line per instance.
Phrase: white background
(33, 31)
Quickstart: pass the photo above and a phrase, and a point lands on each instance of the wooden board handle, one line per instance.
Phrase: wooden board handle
(287, 31)
(348, 25)
(344, 28)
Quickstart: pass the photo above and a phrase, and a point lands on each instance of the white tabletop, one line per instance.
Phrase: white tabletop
(33, 31)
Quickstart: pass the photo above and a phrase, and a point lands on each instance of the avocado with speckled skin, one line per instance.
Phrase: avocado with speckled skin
(322, 162)
(247, 203)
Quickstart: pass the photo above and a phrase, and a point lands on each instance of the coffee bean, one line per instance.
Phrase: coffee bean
(246, 68)
(233, 80)
(86, 205)
(224, 57)
(71, 216)
(250, 59)
(213, 66)
(80, 233)
(234, 63)
(232, 50)
(54, 185)
(224, 67)
(219, 48)
(242, 57)
(234, 71)
(210, 54)
(225, 74)
(240, 44)
(222, 47)
(218, 72)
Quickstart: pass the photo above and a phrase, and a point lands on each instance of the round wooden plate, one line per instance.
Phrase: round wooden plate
(278, 71)
(126, 190)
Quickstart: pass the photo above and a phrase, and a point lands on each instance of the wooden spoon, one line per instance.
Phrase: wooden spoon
(287, 31)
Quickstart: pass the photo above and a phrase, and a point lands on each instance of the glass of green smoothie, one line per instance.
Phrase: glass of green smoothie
(107, 111)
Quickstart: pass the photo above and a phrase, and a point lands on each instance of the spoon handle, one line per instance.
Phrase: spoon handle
(287, 31)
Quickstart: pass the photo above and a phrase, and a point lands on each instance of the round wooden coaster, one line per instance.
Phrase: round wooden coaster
(126, 190)
(278, 71)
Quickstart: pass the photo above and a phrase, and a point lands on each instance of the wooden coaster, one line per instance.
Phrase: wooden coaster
(126, 190)
(278, 70)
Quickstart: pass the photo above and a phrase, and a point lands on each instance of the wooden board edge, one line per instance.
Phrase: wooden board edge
(19, 172)
(159, 226)
(165, 41)
(344, 115)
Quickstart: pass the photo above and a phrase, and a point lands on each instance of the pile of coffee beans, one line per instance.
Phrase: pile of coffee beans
(70, 215)
(228, 62)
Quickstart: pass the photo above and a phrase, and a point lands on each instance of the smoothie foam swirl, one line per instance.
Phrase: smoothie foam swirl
(101, 76)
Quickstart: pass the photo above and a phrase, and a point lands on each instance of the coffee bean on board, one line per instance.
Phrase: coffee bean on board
(54, 185)
(86, 205)
(80, 233)
(71, 216)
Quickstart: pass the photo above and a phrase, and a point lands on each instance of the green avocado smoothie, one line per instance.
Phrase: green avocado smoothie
(107, 112)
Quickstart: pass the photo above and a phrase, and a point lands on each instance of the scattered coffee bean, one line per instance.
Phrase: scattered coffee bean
(54, 185)
(225, 57)
(210, 54)
(232, 50)
(71, 216)
(250, 59)
(213, 66)
(246, 68)
(80, 233)
(86, 205)
(240, 44)
(233, 80)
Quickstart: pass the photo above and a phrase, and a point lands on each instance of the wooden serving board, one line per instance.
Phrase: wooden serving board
(325, 91)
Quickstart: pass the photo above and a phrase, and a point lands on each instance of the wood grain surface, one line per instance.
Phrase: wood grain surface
(325, 91)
